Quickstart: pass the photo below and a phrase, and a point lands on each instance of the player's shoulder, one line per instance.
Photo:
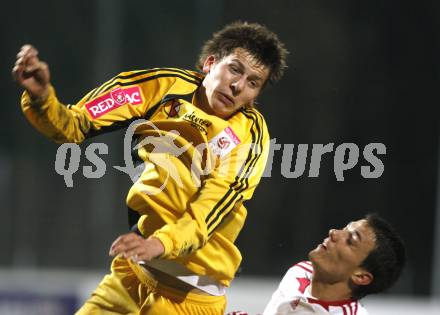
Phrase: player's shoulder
(252, 113)
(360, 309)
(302, 268)
(172, 74)
(250, 120)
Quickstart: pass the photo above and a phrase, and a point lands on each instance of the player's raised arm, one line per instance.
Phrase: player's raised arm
(32, 73)
(110, 106)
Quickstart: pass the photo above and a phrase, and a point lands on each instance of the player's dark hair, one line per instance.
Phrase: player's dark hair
(385, 262)
(256, 39)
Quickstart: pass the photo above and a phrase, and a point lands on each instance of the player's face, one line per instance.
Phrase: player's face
(232, 82)
(339, 256)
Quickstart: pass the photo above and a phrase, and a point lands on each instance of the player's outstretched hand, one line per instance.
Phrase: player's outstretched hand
(137, 248)
(32, 73)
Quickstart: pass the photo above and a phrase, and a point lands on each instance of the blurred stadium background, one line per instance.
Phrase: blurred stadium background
(360, 72)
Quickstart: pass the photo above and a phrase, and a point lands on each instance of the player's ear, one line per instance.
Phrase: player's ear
(362, 277)
(209, 62)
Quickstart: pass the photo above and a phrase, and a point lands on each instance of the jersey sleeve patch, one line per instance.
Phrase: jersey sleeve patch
(114, 99)
(224, 142)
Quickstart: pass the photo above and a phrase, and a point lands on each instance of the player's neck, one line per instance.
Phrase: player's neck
(201, 101)
(330, 292)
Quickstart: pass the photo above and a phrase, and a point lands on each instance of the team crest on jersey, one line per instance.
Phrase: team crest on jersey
(118, 96)
(174, 109)
(224, 142)
(114, 99)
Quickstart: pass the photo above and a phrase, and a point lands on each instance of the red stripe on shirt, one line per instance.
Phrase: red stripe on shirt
(303, 267)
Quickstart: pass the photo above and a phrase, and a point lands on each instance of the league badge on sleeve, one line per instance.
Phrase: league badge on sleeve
(224, 142)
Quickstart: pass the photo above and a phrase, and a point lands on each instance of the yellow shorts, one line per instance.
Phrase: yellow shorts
(129, 290)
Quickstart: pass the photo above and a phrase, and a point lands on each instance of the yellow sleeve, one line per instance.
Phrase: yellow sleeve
(113, 105)
(222, 191)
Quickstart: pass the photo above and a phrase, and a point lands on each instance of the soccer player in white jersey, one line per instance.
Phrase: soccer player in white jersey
(367, 256)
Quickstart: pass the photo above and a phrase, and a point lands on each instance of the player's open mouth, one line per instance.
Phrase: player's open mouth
(226, 99)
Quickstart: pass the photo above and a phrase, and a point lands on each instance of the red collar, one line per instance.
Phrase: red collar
(326, 304)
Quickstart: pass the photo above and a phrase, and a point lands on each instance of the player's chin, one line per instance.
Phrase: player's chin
(224, 111)
(311, 255)
(315, 253)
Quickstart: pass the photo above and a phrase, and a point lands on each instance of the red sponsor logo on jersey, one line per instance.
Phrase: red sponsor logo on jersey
(233, 136)
(223, 142)
(114, 99)
(303, 284)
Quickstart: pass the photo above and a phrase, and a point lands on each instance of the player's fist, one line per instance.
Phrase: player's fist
(32, 73)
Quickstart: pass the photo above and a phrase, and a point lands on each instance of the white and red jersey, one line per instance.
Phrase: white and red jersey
(293, 296)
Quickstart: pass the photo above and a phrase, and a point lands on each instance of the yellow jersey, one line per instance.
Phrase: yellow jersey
(196, 169)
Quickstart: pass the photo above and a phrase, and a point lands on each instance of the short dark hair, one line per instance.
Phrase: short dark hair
(256, 39)
(385, 262)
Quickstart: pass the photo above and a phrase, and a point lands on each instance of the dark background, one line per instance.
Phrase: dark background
(359, 72)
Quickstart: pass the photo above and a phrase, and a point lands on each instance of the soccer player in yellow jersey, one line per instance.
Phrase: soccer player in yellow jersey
(202, 148)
